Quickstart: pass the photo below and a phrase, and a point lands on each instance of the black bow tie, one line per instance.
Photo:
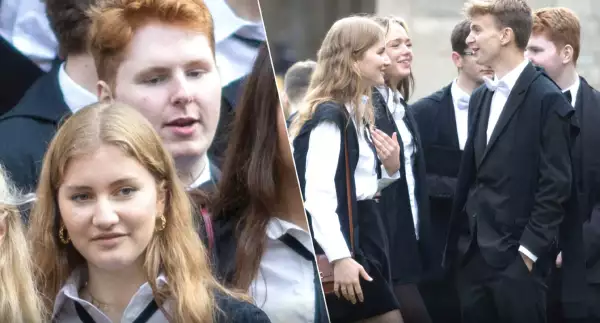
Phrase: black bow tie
(567, 95)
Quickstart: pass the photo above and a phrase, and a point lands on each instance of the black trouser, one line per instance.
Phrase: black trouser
(509, 295)
(441, 298)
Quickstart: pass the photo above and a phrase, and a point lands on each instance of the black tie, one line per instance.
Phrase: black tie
(567, 95)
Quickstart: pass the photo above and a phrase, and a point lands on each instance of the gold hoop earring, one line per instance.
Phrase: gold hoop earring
(61, 235)
(163, 223)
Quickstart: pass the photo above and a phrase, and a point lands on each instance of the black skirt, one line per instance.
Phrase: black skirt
(373, 255)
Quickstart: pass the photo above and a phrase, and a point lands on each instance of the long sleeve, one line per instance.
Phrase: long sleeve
(554, 185)
(320, 192)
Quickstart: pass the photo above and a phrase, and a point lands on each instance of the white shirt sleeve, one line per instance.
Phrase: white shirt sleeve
(387, 179)
(320, 192)
(528, 253)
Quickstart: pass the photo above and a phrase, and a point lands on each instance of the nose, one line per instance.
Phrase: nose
(386, 60)
(105, 215)
(181, 91)
(470, 39)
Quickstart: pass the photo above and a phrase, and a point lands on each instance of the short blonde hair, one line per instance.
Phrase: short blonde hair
(513, 14)
(19, 302)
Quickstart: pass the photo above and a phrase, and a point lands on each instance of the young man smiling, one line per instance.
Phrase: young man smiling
(515, 175)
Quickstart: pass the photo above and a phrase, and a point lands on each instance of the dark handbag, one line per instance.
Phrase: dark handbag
(325, 267)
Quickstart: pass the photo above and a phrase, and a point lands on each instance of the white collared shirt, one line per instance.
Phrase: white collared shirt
(64, 306)
(574, 88)
(234, 57)
(498, 102)
(460, 98)
(23, 23)
(408, 144)
(285, 285)
(75, 96)
(320, 196)
(501, 96)
(204, 176)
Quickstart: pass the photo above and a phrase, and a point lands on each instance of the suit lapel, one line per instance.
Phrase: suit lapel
(513, 103)
(481, 132)
(588, 111)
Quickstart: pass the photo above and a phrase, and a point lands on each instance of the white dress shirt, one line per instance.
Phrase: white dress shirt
(75, 96)
(284, 287)
(24, 24)
(320, 193)
(234, 57)
(204, 176)
(460, 100)
(64, 306)
(505, 86)
(574, 88)
(408, 144)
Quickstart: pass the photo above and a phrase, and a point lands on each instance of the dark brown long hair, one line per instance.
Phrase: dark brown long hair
(250, 183)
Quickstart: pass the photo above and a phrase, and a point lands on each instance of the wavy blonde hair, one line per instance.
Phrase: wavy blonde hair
(336, 77)
(19, 302)
(177, 250)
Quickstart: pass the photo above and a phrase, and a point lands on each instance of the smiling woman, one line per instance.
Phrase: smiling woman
(113, 233)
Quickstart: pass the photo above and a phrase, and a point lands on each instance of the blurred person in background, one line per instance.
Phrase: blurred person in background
(443, 120)
(295, 84)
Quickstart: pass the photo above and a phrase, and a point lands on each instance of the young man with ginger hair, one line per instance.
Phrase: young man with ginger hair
(555, 45)
(159, 57)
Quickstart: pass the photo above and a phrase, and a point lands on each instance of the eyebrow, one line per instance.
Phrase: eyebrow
(122, 181)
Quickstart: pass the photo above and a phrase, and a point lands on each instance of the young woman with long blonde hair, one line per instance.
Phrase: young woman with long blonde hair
(340, 173)
(19, 302)
(112, 232)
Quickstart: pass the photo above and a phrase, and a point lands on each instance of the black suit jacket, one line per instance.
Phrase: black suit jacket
(587, 174)
(18, 74)
(26, 130)
(436, 121)
(514, 190)
(410, 259)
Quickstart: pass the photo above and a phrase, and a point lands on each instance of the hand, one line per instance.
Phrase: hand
(559, 260)
(528, 262)
(346, 273)
(388, 150)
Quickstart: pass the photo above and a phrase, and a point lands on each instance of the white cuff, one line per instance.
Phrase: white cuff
(335, 247)
(528, 253)
(386, 179)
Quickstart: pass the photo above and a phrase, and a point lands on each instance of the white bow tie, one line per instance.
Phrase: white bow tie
(494, 85)
(463, 102)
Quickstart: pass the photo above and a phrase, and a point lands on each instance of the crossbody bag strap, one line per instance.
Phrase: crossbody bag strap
(349, 191)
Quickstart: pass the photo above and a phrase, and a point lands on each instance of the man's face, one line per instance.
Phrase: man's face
(169, 74)
(484, 39)
(543, 52)
(469, 67)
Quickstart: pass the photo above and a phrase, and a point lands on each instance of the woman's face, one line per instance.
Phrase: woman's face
(398, 46)
(373, 64)
(109, 204)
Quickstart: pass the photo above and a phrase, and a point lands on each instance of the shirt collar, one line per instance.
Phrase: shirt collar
(458, 93)
(574, 88)
(204, 176)
(70, 290)
(227, 23)
(75, 96)
(277, 227)
(510, 79)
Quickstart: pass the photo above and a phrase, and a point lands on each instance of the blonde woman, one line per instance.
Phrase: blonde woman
(113, 234)
(18, 297)
(336, 160)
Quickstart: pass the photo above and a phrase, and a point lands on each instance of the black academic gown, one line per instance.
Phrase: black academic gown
(410, 258)
(514, 189)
